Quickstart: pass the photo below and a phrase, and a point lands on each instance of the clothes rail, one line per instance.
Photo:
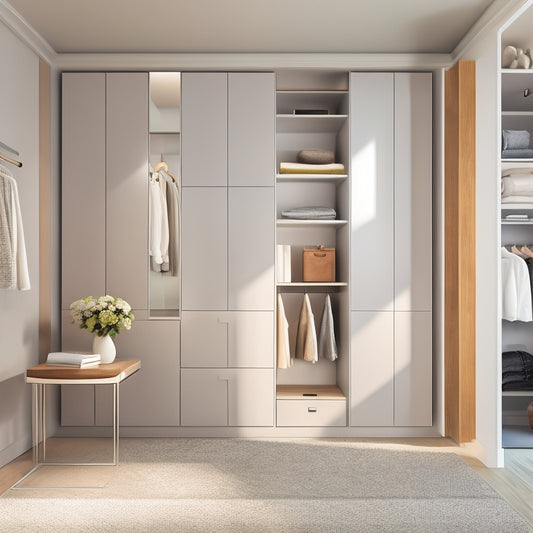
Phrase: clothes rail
(9, 159)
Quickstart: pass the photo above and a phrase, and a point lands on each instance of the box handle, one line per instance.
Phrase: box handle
(316, 254)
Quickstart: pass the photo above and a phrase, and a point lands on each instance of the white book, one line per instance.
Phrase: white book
(80, 360)
(287, 274)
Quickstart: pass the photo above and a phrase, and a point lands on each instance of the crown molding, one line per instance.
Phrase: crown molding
(251, 61)
(493, 18)
(24, 31)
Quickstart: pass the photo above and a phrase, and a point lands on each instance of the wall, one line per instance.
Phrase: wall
(19, 312)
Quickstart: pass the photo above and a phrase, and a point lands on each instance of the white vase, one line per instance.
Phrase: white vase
(105, 347)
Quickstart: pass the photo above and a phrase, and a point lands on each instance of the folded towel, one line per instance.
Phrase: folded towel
(517, 200)
(517, 185)
(310, 213)
(514, 171)
(300, 168)
(315, 157)
(515, 139)
(517, 154)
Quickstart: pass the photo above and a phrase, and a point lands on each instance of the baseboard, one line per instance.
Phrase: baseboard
(254, 432)
(14, 450)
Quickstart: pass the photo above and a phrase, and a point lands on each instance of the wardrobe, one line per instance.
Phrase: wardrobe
(209, 364)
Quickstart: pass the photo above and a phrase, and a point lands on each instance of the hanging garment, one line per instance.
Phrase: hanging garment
(306, 343)
(516, 288)
(173, 209)
(327, 346)
(283, 348)
(158, 223)
(164, 223)
(13, 260)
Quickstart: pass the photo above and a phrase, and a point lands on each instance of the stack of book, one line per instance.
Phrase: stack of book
(77, 360)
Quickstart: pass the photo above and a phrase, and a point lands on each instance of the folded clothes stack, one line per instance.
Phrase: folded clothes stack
(517, 185)
(517, 370)
(516, 144)
(313, 162)
(310, 213)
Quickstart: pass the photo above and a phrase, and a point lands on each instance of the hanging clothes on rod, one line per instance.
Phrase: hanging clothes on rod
(306, 341)
(283, 348)
(516, 287)
(13, 260)
(327, 346)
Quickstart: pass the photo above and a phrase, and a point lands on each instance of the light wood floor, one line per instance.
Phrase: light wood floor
(514, 482)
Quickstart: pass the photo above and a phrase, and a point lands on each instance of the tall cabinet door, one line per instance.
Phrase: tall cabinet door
(412, 191)
(372, 174)
(83, 186)
(127, 187)
(151, 396)
(251, 128)
(251, 248)
(204, 123)
(204, 248)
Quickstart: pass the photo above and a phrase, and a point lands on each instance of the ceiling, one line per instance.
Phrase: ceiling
(253, 26)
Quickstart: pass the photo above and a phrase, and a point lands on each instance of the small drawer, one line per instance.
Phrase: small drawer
(311, 412)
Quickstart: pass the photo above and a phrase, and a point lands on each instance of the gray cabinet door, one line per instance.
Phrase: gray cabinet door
(251, 128)
(204, 248)
(413, 191)
(83, 186)
(412, 369)
(151, 396)
(372, 369)
(251, 248)
(127, 187)
(372, 174)
(204, 123)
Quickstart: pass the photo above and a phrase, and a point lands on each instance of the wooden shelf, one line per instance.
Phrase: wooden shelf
(311, 286)
(309, 392)
(309, 123)
(292, 223)
(310, 178)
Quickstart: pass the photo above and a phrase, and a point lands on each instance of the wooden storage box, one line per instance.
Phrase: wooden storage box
(319, 264)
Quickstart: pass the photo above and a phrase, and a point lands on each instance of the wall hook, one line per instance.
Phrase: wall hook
(527, 92)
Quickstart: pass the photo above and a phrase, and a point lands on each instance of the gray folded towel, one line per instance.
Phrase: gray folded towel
(517, 154)
(515, 139)
(310, 213)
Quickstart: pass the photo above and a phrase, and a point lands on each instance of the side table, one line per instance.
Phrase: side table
(42, 375)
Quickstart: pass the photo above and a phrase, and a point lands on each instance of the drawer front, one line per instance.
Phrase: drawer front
(311, 412)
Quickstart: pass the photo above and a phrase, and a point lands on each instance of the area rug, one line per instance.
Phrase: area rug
(205, 485)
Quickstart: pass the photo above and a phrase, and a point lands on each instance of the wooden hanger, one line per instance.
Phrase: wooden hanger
(164, 166)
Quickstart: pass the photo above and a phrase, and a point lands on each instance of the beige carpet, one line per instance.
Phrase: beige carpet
(270, 485)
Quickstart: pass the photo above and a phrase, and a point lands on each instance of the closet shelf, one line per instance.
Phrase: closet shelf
(291, 223)
(309, 392)
(517, 160)
(524, 222)
(517, 113)
(310, 178)
(309, 123)
(517, 393)
(517, 207)
(314, 286)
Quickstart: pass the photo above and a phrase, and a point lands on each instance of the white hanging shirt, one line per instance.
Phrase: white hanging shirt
(13, 260)
(283, 349)
(516, 288)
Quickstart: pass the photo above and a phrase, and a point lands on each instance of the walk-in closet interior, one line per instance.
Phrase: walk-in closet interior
(272, 232)
(517, 234)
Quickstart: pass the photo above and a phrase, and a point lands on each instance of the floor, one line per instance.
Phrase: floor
(514, 482)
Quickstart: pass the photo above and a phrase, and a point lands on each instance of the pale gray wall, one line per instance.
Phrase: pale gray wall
(19, 313)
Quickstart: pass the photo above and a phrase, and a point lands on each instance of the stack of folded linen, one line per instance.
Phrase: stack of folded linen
(313, 162)
(516, 144)
(310, 213)
(517, 370)
(517, 185)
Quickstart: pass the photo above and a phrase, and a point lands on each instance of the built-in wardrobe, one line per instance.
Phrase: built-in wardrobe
(207, 336)
(516, 240)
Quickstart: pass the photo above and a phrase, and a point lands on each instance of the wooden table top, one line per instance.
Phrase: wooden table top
(114, 372)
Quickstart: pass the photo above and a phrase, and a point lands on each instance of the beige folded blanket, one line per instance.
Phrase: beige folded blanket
(517, 185)
(301, 168)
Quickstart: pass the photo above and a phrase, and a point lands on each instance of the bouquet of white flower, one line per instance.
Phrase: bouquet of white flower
(105, 315)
